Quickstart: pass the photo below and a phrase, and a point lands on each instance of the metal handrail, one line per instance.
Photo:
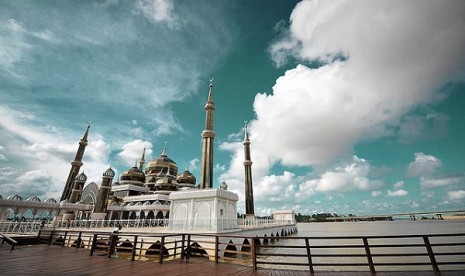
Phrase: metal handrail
(307, 252)
(9, 240)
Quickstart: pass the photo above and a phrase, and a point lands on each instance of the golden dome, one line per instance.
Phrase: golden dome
(186, 177)
(161, 164)
(133, 174)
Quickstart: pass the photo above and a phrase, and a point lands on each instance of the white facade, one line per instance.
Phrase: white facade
(206, 210)
(284, 216)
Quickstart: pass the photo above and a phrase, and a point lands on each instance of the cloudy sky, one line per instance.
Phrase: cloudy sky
(354, 106)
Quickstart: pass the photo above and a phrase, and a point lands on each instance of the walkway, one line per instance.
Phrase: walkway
(56, 260)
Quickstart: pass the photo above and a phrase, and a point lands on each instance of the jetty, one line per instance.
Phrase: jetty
(73, 252)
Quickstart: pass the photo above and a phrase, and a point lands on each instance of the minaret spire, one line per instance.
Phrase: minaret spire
(142, 161)
(249, 205)
(164, 150)
(208, 136)
(75, 166)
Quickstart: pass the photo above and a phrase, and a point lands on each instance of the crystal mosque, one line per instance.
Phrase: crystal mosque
(153, 191)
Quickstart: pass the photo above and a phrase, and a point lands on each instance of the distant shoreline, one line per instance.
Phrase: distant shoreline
(461, 217)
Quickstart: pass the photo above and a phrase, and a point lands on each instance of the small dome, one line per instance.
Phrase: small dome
(33, 199)
(186, 177)
(14, 197)
(50, 200)
(223, 186)
(133, 174)
(64, 201)
(81, 177)
(109, 173)
(116, 183)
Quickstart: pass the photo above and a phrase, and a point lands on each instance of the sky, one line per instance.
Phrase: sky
(354, 107)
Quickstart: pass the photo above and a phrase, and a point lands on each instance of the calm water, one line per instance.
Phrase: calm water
(374, 228)
(365, 228)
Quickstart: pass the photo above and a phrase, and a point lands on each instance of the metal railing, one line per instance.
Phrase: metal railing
(20, 227)
(9, 240)
(365, 253)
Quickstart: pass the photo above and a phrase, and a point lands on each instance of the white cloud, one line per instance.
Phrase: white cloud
(132, 151)
(376, 193)
(159, 11)
(456, 195)
(427, 182)
(397, 193)
(397, 54)
(399, 184)
(347, 177)
(423, 165)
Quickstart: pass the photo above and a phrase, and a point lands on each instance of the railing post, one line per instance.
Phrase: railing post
(111, 249)
(64, 239)
(188, 248)
(175, 247)
(254, 255)
(50, 238)
(79, 241)
(94, 245)
(183, 253)
(162, 244)
(369, 257)
(216, 249)
(434, 264)
(134, 247)
(309, 256)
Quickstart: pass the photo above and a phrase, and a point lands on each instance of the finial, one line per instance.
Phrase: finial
(246, 134)
(164, 150)
(211, 82)
(143, 155)
(135, 163)
(187, 168)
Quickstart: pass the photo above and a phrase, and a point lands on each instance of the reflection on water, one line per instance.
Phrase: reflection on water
(375, 228)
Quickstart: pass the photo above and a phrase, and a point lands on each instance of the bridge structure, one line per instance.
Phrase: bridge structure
(411, 216)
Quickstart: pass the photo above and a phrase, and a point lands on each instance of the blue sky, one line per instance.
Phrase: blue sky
(354, 106)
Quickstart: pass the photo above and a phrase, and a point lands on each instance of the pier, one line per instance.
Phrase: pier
(92, 253)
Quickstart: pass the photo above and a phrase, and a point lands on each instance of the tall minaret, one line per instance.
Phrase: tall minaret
(142, 161)
(208, 135)
(75, 166)
(249, 206)
(104, 192)
(77, 188)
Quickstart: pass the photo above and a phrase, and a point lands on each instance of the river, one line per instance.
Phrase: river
(371, 228)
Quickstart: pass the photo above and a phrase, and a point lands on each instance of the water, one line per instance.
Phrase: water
(380, 228)
(372, 228)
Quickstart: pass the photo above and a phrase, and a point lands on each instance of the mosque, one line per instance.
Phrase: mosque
(155, 190)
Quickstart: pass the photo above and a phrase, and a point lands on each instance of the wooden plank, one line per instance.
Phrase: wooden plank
(56, 260)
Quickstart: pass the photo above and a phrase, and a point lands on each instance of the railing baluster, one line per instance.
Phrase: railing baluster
(162, 244)
(309, 256)
(429, 249)
(183, 253)
(216, 248)
(188, 249)
(254, 254)
(369, 257)
(134, 247)
(94, 245)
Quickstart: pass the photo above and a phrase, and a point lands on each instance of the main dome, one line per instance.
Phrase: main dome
(161, 164)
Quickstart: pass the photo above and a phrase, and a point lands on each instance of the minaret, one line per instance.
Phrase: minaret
(208, 135)
(77, 188)
(104, 192)
(249, 206)
(142, 161)
(75, 166)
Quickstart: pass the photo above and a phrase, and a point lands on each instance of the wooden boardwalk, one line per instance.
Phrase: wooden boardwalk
(56, 260)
